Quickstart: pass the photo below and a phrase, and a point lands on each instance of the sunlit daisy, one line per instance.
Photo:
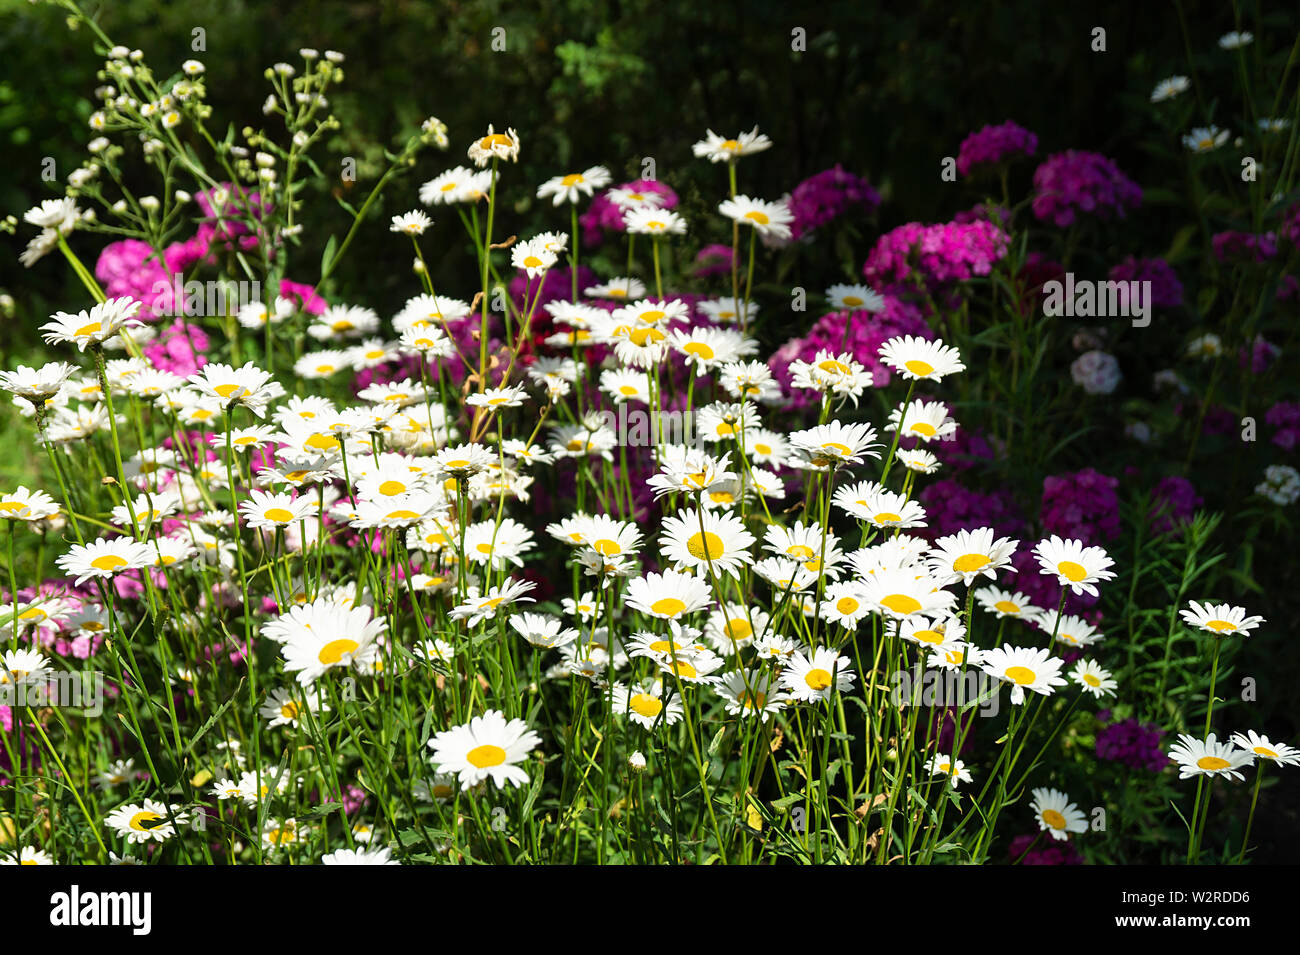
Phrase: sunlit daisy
(487, 747)
(1219, 619)
(1209, 757)
(1093, 678)
(104, 558)
(144, 822)
(1025, 668)
(1056, 814)
(1262, 748)
(811, 675)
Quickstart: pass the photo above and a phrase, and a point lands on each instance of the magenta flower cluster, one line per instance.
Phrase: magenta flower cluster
(1233, 246)
(1082, 506)
(1166, 289)
(823, 198)
(1285, 418)
(1075, 183)
(937, 254)
(995, 144)
(1173, 501)
(951, 507)
(1136, 745)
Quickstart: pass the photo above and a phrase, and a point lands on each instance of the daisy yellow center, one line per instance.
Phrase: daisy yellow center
(763, 448)
(1006, 606)
(1071, 571)
(1212, 763)
(753, 701)
(322, 442)
(733, 145)
(968, 563)
(700, 349)
(572, 179)
(668, 606)
(1264, 751)
(144, 820)
(279, 837)
(12, 507)
(738, 629)
(835, 446)
(817, 678)
(290, 710)
(834, 367)
(682, 668)
(226, 390)
(485, 756)
(607, 547)
(645, 705)
(725, 430)
(108, 562)
(755, 216)
(919, 368)
(705, 546)
(852, 300)
(1053, 819)
(398, 396)
(1091, 679)
(492, 141)
(532, 262)
(924, 428)
(928, 636)
(627, 390)
(665, 646)
(90, 329)
(403, 515)
(1021, 676)
(1218, 626)
(279, 515)
(484, 548)
(901, 604)
(333, 651)
(643, 336)
(448, 186)
(800, 551)
(36, 613)
(342, 325)
(888, 517)
(847, 605)
(389, 488)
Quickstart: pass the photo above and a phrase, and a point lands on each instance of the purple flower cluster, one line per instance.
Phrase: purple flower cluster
(180, 348)
(1285, 417)
(951, 507)
(713, 261)
(604, 215)
(1258, 356)
(967, 448)
(822, 198)
(1075, 182)
(939, 254)
(1048, 851)
(1244, 246)
(859, 333)
(1136, 745)
(995, 144)
(1083, 506)
(1166, 290)
(1172, 502)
